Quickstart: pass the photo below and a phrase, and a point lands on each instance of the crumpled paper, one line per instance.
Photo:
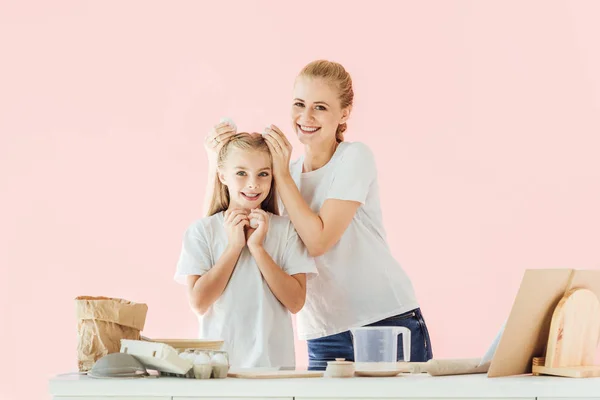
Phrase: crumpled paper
(101, 324)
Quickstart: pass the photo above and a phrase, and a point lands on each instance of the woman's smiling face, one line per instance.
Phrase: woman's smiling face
(316, 110)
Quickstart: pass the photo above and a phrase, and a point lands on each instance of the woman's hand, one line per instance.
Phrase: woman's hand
(236, 220)
(256, 237)
(281, 151)
(217, 137)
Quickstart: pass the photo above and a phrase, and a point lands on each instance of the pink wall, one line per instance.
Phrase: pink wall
(484, 116)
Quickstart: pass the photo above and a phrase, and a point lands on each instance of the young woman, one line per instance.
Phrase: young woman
(331, 195)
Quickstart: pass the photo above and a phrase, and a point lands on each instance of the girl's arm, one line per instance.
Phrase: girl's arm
(290, 290)
(205, 289)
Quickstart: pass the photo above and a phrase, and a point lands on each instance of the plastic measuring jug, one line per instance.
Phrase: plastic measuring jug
(376, 347)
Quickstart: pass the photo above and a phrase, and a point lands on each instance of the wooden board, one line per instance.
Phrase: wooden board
(200, 344)
(574, 330)
(379, 374)
(275, 374)
(448, 366)
(528, 326)
(572, 372)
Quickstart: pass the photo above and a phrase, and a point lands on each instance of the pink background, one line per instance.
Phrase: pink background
(484, 117)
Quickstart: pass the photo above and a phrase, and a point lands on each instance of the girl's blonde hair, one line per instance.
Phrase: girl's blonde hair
(334, 74)
(245, 142)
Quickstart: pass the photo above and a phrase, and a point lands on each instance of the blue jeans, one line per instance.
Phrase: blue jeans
(340, 345)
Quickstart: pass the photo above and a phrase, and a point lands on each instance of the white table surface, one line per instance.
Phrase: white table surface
(403, 386)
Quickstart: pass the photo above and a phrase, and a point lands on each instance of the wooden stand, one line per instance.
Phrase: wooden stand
(573, 338)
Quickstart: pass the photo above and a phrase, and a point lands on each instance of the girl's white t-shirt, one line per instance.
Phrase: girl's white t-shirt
(256, 328)
(359, 280)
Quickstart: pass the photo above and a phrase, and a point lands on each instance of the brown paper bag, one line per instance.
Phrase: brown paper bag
(101, 324)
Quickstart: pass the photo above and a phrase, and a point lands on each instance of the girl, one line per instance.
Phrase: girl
(331, 195)
(244, 265)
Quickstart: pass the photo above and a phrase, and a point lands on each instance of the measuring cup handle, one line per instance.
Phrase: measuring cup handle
(405, 341)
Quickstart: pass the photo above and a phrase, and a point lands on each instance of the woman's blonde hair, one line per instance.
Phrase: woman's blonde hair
(245, 142)
(334, 74)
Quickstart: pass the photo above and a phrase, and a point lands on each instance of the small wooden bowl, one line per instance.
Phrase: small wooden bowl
(340, 368)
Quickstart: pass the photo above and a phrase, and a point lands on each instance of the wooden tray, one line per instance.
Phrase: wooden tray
(200, 344)
(274, 374)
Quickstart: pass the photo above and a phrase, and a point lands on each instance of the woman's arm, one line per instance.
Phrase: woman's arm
(290, 290)
(210, 183)
(319, 231)
(205, 289)
(213, 142)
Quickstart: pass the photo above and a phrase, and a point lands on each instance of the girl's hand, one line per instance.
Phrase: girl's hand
(236, 220)
(281, 150)
(217, 137)
(256, 237)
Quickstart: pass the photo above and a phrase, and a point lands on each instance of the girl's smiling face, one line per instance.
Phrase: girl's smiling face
(247, 175)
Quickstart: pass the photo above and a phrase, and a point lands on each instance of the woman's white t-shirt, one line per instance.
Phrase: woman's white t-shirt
(256, 328)
(359, 280)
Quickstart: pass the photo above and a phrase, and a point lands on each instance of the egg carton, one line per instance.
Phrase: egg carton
(206, 363)
(168, 361)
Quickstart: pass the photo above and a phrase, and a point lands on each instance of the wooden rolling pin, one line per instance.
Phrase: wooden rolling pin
(459, 366)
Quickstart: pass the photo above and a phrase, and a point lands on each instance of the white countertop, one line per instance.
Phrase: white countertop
(421, 385)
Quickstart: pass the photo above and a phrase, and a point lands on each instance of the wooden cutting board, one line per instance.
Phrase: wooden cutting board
(527, 328)
(274, 374)
(574, 330)
(441, 367)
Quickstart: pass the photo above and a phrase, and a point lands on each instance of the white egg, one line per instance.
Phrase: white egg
(253, 223)
(231, 123)
(202, 358)
(219, 359)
